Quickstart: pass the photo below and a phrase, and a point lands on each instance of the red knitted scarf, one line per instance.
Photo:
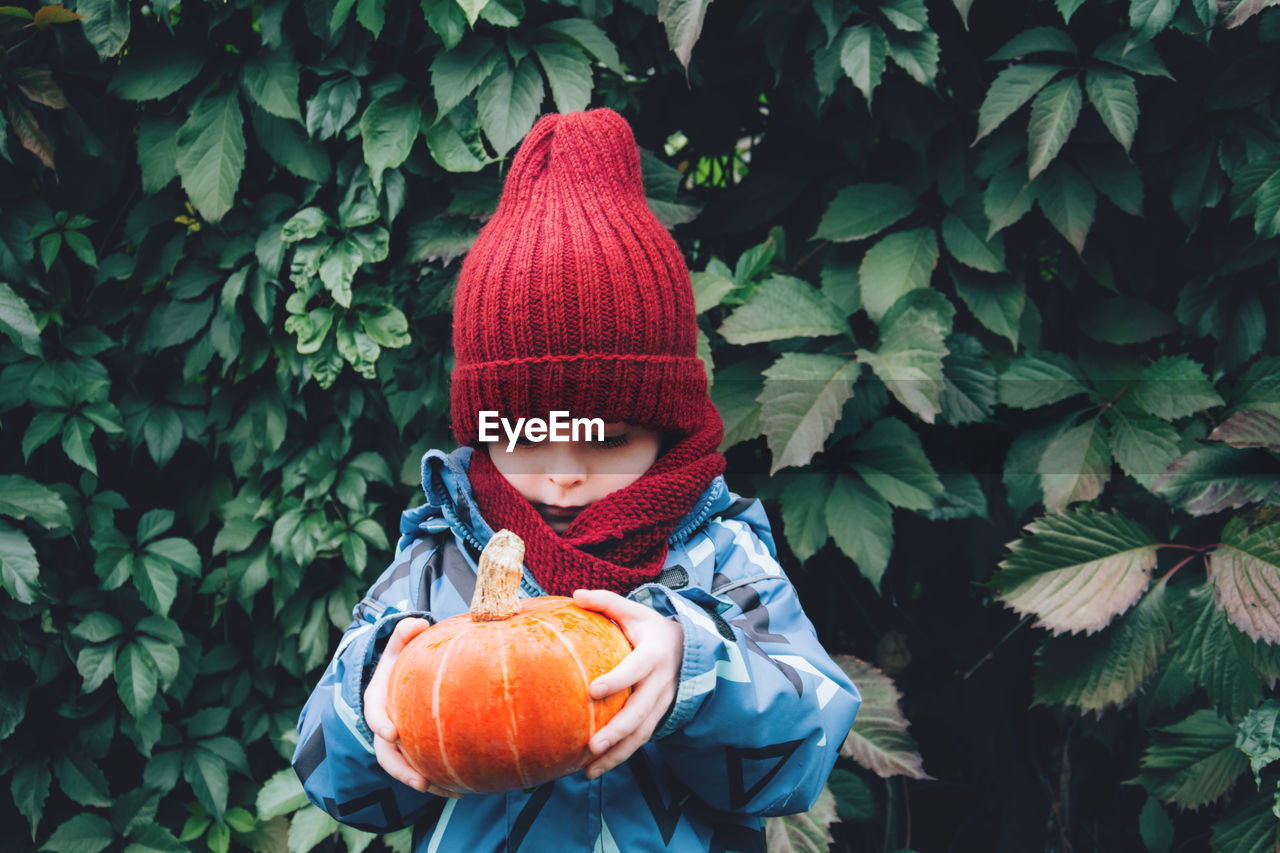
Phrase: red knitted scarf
(620, 541)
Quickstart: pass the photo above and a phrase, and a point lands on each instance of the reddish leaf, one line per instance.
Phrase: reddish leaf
(1250, 428)
(39, 86)
(58, 14)
(1245, 10)
(30, 134)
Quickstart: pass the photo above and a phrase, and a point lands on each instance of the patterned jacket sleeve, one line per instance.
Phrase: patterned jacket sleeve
(761, 709)
(335, 758)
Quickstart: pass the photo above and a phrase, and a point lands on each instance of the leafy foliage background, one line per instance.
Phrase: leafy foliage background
(970, 273)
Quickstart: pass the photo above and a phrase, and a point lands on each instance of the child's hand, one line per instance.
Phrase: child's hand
(651, 670)
(386, 742)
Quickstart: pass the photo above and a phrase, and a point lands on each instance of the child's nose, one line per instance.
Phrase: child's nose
(564, 469)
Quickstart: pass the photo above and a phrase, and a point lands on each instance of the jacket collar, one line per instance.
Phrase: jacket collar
(445, 483)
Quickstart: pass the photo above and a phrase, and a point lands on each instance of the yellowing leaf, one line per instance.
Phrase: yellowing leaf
(1077, 570)
(1245, 573)
(879, 740)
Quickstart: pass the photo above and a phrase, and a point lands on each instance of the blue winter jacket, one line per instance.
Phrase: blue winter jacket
(759, 715)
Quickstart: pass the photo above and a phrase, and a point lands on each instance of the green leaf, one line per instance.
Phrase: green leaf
(1076, 465)
(1036, 40)
(136, 679)
(906, 15)
(804, 519)
(96, 664)
(509, 102)
(997, 301)
(388, 129)
(861, 523)
(179, 552)
(1115, 176)
(173, 323)
(457, 73)
(156, 582)
(155, 70)
(387, 326)
(1105, 669)
(75, 443)
(372, 15)
(967, 236)
(1193, 762)
(863, 51)
(1069, 202)
(281, 794)
(98, 627)
(1249, 827)
(1148, 18)
(1138, 57)
(970, 377)
(162, 431)
(911, 349)
(338, 269)
(211, 150)
(272, 82)
(304, 225)
(1245, 573)
(1258, 737)
(587, 36)
(17, 321)
(472, 9)
(21, 498)
(154, 838)
(1054, 113)
(1077, 570)
(896, 264)
(569, 74)
(207, 775)
(1173, 387)
(709, 289)
(30, 789)
(332, 106)
(682, 20)
(801, 401)
(916, 54)
(735, 393)
(447, 19)
(1143, 447)
(783, 307)
(1216, 655)
(309, 827)
(863, 210)
(82, 780)
(1012, 88)
(891, 460)
(1155, 827)
(19, 568)
(158, 151)
(105, 24)
(84, 833)
(1115, 99)
(878, 740)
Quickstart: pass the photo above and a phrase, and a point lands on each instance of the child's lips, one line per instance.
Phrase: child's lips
(561, 514)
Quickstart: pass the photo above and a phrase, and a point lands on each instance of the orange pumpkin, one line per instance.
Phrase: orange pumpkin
(496, 699)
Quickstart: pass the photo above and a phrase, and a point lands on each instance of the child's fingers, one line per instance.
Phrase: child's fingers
(611, 604)
(630, 670)
(393, 761)
(406, 629)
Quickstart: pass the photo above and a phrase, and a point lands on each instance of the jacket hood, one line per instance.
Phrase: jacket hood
(448, 489)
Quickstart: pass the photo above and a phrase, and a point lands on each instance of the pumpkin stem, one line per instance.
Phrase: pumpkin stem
(498, 586)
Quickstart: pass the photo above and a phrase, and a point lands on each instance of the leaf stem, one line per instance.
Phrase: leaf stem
(1000, 642)
(1182, 563)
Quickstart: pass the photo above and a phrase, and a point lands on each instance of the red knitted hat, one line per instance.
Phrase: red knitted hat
(574, 297)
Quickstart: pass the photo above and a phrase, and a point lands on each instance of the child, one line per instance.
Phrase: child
(575, 299)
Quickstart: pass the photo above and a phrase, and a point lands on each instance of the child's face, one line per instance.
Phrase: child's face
(560, 478)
